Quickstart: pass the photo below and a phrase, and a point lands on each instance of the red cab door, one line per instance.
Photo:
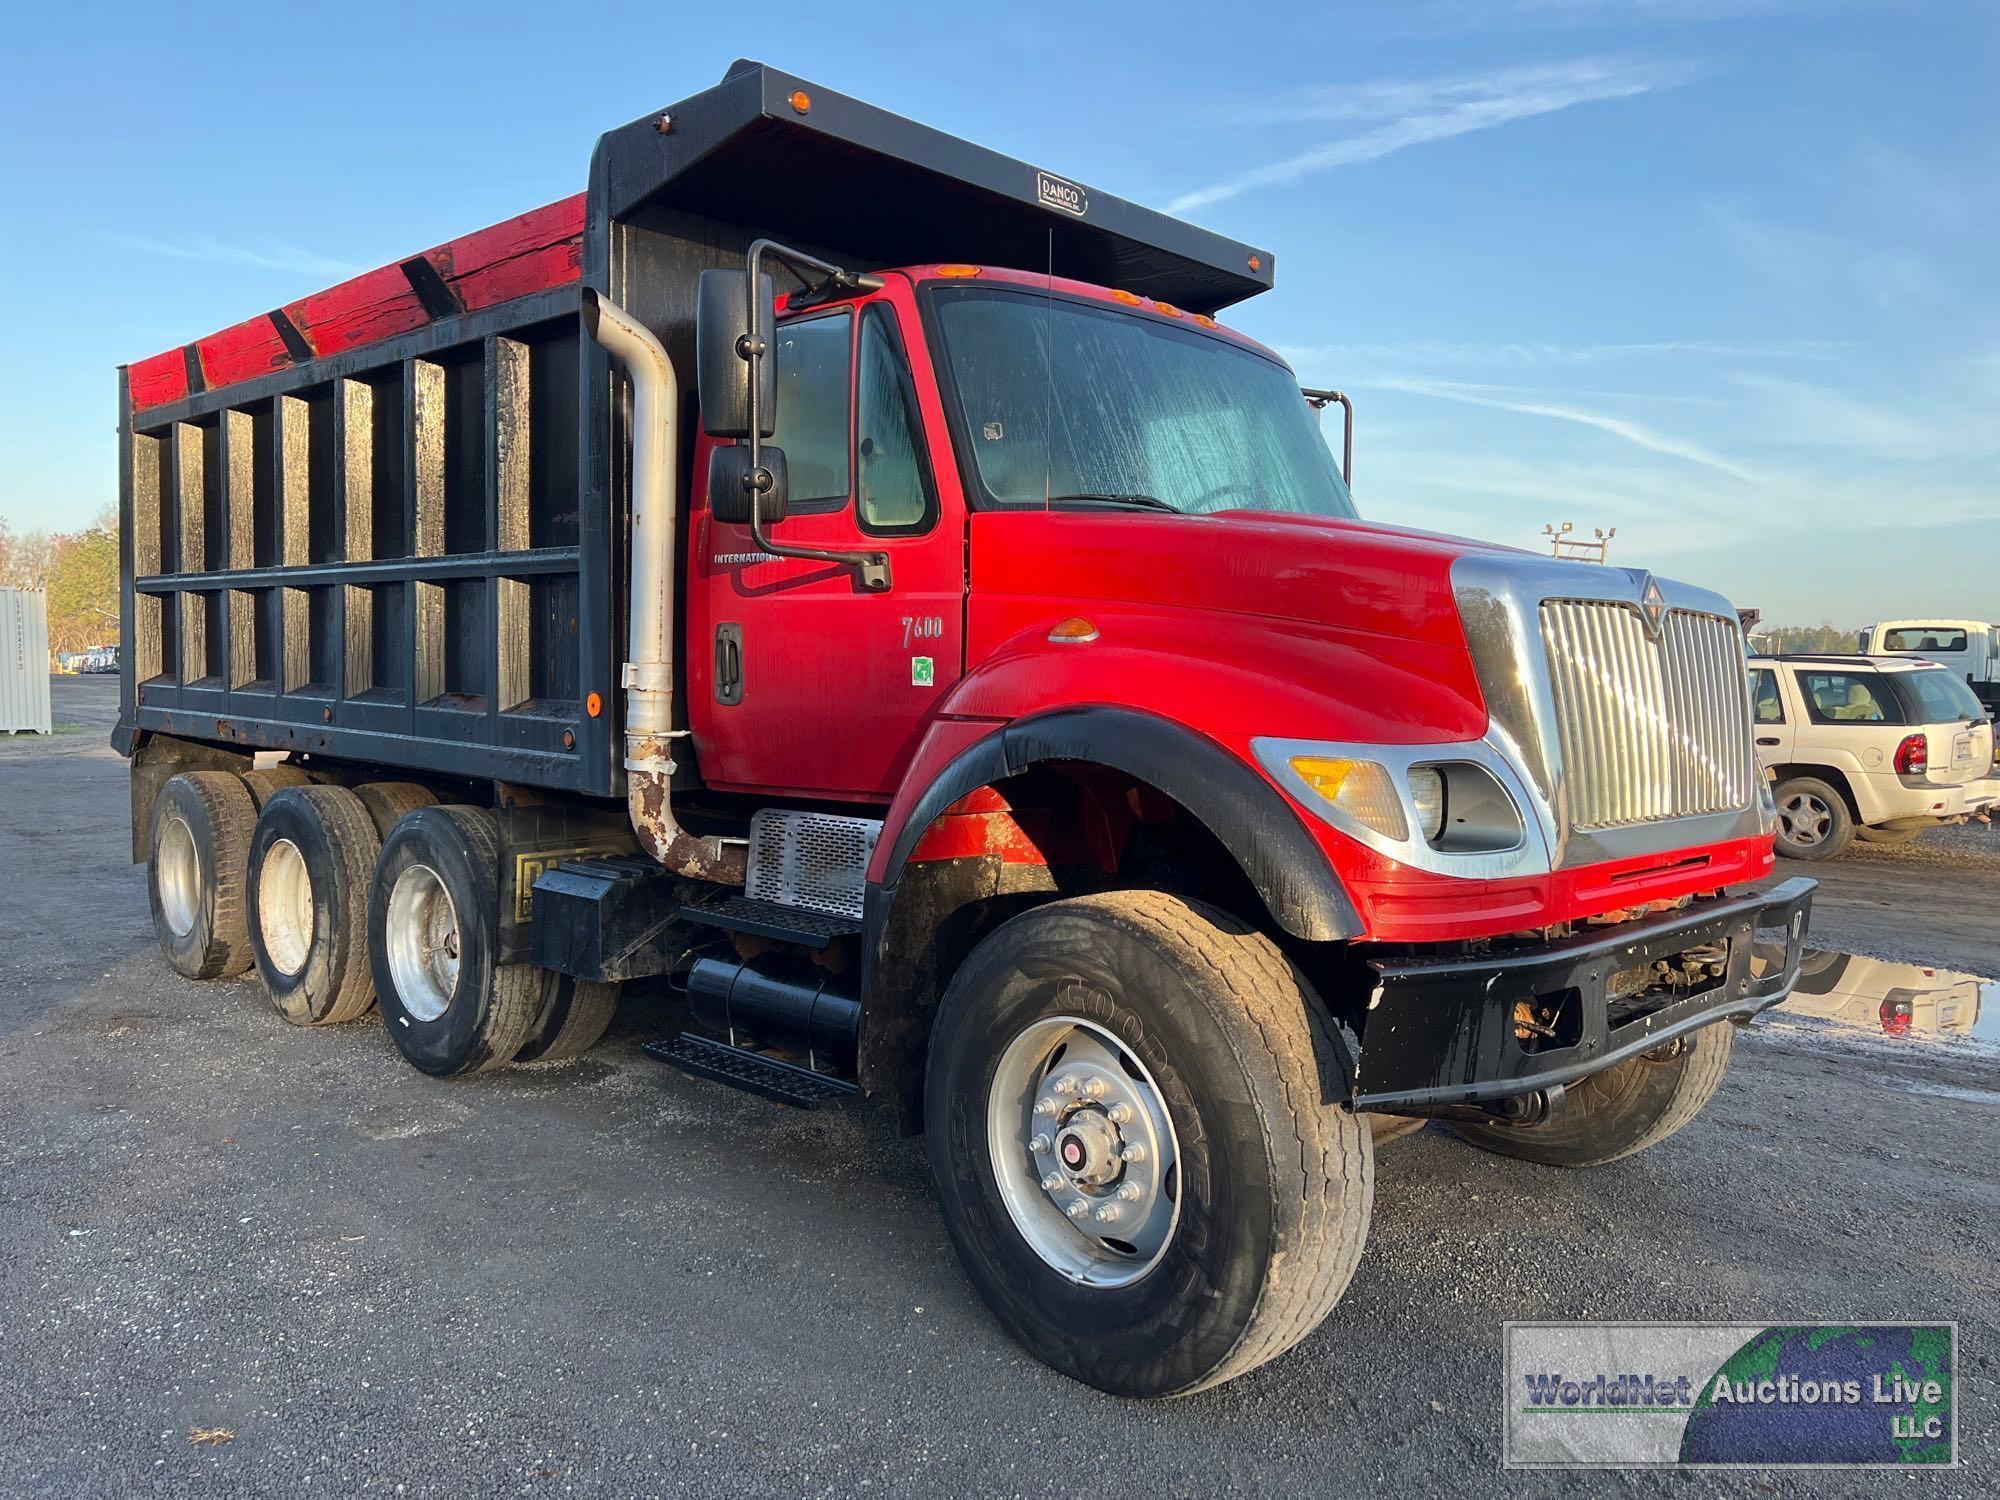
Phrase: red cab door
(801, 682)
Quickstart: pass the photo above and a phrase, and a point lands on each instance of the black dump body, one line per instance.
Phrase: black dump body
(412, 553)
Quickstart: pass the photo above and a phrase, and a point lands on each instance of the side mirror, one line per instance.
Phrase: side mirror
(722, 374)
(729, 496)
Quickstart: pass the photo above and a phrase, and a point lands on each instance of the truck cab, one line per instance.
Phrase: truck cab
(860, 584)
(1968, 648)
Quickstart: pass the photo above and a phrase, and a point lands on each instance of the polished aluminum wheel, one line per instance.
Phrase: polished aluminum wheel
(285, 906)
(1807, 819)
(421, 934)
(1084, 1152)
(177, 871)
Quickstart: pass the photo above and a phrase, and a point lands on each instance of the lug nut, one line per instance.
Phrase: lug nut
(1133, 1153)
(1052, 1183)
(1077, 1209)
(1064, 1085)
(1120, 1113)
(1129, 1192)
(1095, 1088)
(1047, 1107)
(1039, 1144)
(1107, 1213)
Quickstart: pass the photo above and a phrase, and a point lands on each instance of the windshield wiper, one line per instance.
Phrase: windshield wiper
(1146, 502)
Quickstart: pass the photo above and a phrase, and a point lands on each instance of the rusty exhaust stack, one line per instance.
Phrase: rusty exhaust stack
(649, 652)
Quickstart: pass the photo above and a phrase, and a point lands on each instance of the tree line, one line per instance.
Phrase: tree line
(78, 570)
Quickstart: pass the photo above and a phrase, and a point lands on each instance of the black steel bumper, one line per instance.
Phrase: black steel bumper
(1446, 1032)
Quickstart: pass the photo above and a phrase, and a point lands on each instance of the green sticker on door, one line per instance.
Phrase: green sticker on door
(921, 671)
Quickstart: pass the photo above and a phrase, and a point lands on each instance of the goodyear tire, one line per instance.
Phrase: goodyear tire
(1623, 1110)
(388, 801)
(433, 926)
(1128, 1135)
(574, 1017)
(196, 874)
(310, 863)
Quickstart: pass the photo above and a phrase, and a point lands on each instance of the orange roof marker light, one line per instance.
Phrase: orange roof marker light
(958, 272)
(802, 101)
(1206, 321)
(1126, 297)
(1075, 631)
(1166, 309)
(1256, 261)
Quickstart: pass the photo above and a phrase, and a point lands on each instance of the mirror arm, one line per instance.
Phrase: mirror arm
(873, 566)
(1318, 400)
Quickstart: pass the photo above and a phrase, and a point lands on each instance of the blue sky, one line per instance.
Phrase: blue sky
(1721, 273)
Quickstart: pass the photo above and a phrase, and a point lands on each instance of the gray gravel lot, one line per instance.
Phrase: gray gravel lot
(605, 1277)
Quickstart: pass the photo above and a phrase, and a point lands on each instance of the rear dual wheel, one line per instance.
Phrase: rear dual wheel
(310, 860)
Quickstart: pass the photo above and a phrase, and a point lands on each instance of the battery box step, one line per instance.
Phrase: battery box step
(812, 930)
(785, 1082)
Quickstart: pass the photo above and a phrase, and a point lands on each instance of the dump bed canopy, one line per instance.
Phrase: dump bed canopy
(802, 163)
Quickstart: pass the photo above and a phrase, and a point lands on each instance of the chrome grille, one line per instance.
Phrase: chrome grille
(1649, 729)
(814, 860)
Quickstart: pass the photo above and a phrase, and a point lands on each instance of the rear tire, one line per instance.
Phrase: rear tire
(1086, 1027)
(310, 864)
(1886, 835)
(267, 783)
(574, 1018)
(196, 876)
(434, 935)
(1621, 1111)
(1813, 820)
(388, 801)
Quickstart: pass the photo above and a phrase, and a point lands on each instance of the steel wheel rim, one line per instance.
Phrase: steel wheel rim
(177, 871)
(421, 934)
(1084, 1152)
(285, 907)
(1807, 819)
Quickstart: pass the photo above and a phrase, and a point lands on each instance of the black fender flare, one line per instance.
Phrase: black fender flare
(1247, 815)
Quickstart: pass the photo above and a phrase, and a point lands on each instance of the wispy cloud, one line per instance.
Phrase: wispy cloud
(1890, 275)
(1401, 114)
(268, 257)
(1636, 433)
(1436, 353)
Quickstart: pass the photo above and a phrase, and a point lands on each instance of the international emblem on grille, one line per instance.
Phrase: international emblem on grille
(1653, 605)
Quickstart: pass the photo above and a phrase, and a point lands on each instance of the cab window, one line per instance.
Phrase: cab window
(892, 470)
(1847, 698)
(813, 384)
(1932, 639)
(1764, 695)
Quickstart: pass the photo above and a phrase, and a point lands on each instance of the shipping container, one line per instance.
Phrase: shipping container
(24, 662)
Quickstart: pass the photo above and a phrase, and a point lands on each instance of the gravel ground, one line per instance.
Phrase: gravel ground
(605, 1277)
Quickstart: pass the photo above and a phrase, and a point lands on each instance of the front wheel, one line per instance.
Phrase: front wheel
(1624, 1109)
(1130, 1135)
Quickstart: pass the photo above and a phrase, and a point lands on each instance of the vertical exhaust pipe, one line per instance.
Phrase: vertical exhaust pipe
(649, 654)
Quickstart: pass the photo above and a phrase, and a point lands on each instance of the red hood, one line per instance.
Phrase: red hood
(1346, 575)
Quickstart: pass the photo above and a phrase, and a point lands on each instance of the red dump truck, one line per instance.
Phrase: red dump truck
(852, 578)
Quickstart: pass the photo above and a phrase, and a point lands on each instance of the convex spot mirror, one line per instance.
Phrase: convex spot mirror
(722, 375)
(729, 496)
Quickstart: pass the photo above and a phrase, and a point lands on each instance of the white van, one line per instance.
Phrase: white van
(1970, 648)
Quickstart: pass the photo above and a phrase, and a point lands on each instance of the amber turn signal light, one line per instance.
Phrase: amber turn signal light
(593, 705)
(1074, 631)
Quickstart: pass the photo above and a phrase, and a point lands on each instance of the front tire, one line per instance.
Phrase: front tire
(1087, 1027)
(1623, 1110)
(1813, 820)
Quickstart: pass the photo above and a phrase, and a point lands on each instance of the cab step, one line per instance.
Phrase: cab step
(785, 1082)
(812, 930)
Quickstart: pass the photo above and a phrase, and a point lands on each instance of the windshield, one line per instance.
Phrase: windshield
(1141, 409)
(1939, 697)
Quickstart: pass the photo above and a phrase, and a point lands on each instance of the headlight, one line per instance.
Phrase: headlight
(1427, 794)
(1360, 788)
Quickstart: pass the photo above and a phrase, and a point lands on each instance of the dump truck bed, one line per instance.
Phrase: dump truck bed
(378, 523)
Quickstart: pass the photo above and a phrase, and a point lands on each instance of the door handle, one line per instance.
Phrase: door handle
(1767, 739)
(729, 664)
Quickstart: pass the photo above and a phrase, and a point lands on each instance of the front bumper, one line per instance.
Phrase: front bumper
(1445, 1032)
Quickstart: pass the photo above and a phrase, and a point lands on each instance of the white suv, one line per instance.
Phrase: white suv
(1885, 746)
